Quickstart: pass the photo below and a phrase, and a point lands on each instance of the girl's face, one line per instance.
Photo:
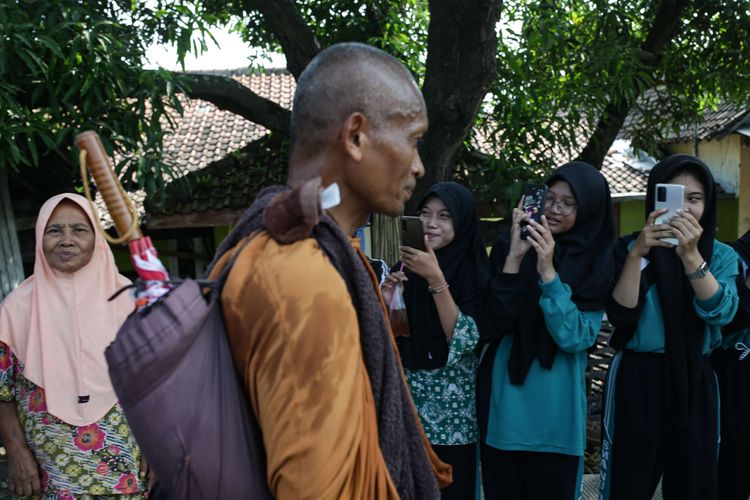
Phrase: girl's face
(560, 207)
(695, 194)
(437, 223)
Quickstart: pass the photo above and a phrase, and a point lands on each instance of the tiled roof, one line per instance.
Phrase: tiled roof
(623, 179)
(205, 134)
(228, 184)
(618, 168)
(713, 123)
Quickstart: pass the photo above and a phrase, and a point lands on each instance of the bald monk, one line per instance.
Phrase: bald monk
(306, 321)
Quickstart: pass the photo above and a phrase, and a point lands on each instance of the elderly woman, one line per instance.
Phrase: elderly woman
(64, 433)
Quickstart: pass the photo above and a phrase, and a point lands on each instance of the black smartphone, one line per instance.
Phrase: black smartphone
(412, 232)
(534, 196)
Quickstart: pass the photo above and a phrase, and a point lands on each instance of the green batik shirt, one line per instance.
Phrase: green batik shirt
(446, 397)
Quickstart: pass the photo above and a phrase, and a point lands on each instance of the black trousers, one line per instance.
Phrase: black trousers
(463, 459)
(642, 441)
(734, 450)
(529, 475)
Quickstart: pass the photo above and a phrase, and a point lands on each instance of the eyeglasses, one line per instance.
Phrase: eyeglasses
(563, 206)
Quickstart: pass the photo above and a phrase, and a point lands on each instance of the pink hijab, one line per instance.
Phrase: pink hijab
(58, 325)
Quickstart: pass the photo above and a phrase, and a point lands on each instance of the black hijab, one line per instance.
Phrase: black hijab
(683, 329)
(742, 246)
(466, 268)
(583, 259)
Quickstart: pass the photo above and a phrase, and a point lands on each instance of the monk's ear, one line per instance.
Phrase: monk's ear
(356, 135)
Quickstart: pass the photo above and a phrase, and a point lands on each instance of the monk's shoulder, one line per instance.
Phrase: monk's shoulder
(295, 271)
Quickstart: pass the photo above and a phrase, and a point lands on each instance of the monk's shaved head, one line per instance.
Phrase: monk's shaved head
(348, 78)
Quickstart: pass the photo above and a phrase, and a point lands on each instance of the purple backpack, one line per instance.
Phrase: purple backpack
(174, 374)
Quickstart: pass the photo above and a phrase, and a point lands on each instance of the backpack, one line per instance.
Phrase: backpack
(173, 372)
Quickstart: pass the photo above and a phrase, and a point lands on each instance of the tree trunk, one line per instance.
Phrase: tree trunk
(297, 40)
(386, 238)
(663, 30)
(230, 95)
(11, 267)
(461, 62)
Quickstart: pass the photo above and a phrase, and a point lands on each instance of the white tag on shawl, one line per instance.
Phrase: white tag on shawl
(644, 263)
(330, 196)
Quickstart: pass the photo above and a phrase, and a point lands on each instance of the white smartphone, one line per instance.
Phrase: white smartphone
(671, 197)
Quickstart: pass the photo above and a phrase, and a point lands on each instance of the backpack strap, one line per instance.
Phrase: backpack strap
(219, 282)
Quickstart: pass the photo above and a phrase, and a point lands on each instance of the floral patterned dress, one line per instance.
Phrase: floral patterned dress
(97, 460)
(446, 397)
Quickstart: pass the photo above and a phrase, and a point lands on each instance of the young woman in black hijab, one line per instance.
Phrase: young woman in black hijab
(732, 365)
(547, 301)
(667, 307)
(443, 288)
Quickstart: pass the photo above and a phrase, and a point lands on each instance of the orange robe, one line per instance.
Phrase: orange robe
(295, 336)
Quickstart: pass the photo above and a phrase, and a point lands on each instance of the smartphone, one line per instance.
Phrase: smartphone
(671, 197)
(412, 232)
(534, 196)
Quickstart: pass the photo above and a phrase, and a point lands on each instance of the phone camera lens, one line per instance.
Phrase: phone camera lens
(661, 193)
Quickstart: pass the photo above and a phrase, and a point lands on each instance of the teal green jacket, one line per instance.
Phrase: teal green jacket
(547, 413)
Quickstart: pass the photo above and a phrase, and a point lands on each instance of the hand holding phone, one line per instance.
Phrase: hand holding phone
(534, 196)
(671, 197)
(412, 232)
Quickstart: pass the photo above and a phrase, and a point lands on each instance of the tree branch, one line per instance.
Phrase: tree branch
(461, 62)
(297, 40)
(664, 28)
(230, 95)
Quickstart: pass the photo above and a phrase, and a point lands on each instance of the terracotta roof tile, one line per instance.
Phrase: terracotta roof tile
(623, 179)
(206, 135)
(713, 123)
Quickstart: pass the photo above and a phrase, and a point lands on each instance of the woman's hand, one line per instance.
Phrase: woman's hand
(23, 473)
(518, 246)
(146, 475)
(424, 264)
(651, 235)
(389, 285)
(688, 232)
(540, 237)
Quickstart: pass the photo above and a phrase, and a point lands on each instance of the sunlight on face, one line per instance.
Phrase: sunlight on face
(437, 223)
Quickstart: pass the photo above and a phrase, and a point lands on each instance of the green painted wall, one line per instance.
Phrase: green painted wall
(727, 219)
(632, 217)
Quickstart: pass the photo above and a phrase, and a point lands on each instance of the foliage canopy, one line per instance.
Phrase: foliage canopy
(562, 77)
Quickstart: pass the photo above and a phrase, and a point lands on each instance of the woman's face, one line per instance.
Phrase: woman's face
(695, 194)
(560, 207)
(68, 241)
(437, 223)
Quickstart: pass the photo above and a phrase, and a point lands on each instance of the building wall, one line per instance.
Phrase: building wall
(632, 218)
(722, 156)
(726, 219)
(744, 193)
